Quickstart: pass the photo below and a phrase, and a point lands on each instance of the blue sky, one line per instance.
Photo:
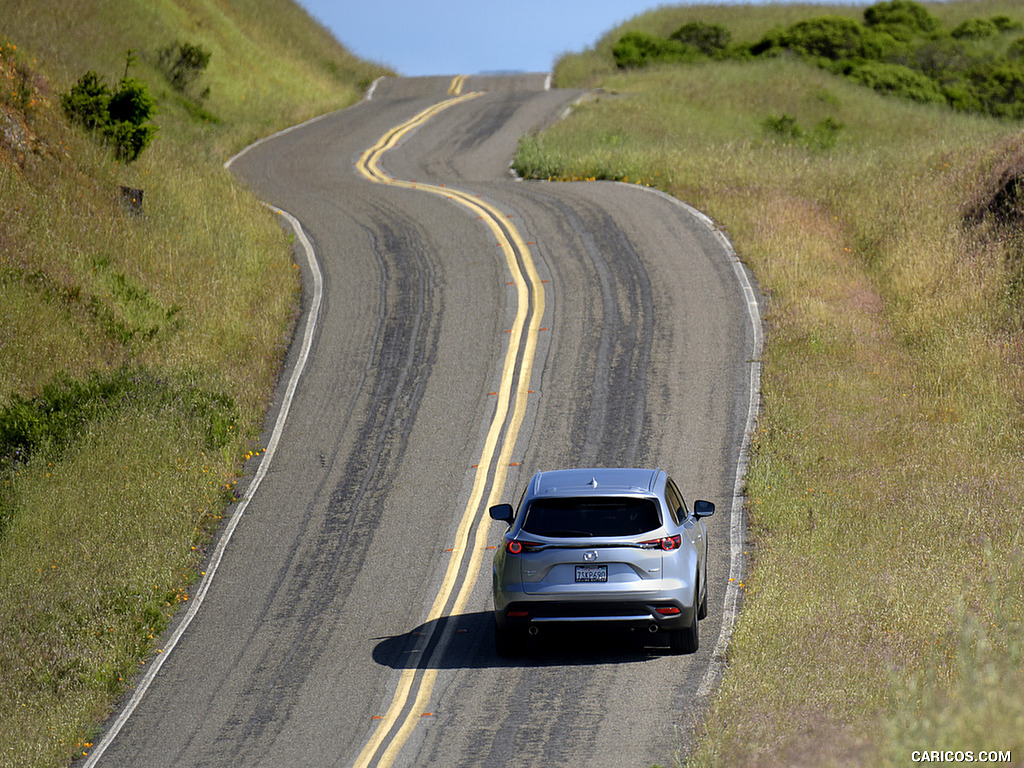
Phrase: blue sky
(454, 37)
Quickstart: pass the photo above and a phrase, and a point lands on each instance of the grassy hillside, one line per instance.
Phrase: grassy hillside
(883, 599)
(137, 352)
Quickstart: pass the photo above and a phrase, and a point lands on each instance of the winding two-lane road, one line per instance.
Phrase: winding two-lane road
(471, 329)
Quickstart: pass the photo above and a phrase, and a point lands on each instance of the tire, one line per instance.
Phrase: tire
(509, 642)
(686, 640)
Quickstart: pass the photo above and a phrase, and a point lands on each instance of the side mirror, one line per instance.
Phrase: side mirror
(703, 508)
(502, 512)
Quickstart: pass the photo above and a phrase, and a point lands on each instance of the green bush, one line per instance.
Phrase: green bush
(182, 64)
(975, 29)
(131, 103)
(783, 127)
(120, 117)
(1000, 87)
(831, 37)
(895, 79)
(56, 416)
(88, 102)
(900, 49)
(901, 14)
(941, 59)
(786, 129)
(638, 49)
(1006, 24)
(961, 96)
(709, 39)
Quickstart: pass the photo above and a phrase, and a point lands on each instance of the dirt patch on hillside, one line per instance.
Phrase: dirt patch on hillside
(22, 92)
(997, 199)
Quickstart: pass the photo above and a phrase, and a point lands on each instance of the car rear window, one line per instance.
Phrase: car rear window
(597, 516)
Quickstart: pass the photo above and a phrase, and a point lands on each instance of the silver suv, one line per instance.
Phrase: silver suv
(615, 547)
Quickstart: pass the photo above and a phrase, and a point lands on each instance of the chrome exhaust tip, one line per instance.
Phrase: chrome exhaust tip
(653, 628)
(533, 630)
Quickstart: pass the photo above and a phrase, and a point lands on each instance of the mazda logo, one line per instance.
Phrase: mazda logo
(590, 555)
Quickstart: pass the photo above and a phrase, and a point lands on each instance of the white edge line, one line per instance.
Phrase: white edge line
(204, 585)
(373, 87)
(230, 160)
(737, 526)
(367, 96)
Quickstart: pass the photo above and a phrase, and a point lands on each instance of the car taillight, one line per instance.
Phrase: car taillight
(668, 543)
(514, 547)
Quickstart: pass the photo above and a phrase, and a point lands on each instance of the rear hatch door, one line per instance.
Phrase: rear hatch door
(572, 570)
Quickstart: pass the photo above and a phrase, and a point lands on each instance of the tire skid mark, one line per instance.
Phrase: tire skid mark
(396, 726)
(612, 430)
(403, 349)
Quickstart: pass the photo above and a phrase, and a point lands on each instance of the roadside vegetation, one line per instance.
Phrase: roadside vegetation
(884, 594)
(141, 331)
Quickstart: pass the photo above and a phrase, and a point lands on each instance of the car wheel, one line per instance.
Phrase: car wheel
(509, 642)
(685, 640)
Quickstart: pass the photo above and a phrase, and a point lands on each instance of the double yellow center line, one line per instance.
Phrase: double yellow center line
(458, 83)
(498, 445)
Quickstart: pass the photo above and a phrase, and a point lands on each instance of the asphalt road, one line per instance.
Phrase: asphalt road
(348, 623)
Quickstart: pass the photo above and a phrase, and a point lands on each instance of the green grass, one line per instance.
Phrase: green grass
(137, 353)
(883, 602)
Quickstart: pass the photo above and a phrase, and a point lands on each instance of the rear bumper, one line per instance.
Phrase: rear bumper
(623, 614)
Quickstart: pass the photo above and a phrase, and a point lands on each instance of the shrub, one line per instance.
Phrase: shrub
(709, 39)
(975, 29)
(131, 103)
(835, 38)
(1000, 87)
(182, 64)
(826, 133)
(895, 79)
(905, 14)
(961, 96)
(638, 49)
(120, 117)
(942, 59)
(785, 128)
(1006, 24)
(88, 102)
(57, 415)
(782, 127)
(54, 420)
(769, 45)
(129, 139)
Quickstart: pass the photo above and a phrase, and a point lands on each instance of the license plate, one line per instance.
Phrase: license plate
(591, 573)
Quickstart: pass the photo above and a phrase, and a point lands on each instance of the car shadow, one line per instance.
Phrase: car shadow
(466, 641)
